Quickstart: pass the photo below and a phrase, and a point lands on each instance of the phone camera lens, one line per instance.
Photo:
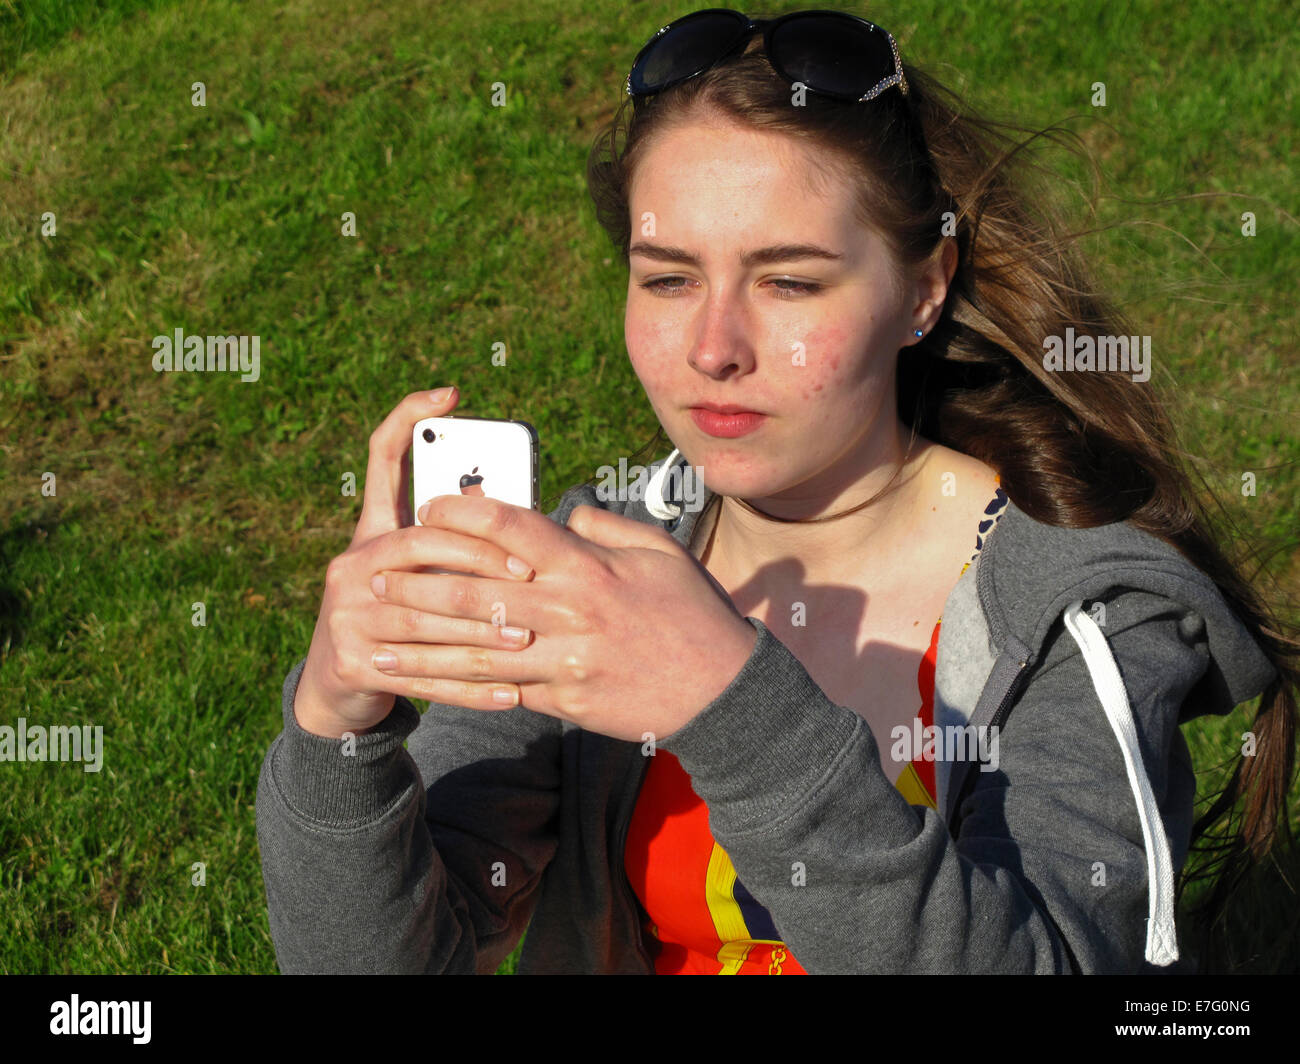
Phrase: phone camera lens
(429, 436)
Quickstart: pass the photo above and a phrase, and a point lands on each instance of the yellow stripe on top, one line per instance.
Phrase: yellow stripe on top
(910, 787)
(727, 917)
(732, 956)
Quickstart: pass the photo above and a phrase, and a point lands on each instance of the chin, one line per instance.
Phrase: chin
(739, 476)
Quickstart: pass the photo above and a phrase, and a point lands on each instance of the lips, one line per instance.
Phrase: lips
(726, 421)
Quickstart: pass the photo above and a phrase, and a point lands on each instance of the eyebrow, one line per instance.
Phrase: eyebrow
(758, 257)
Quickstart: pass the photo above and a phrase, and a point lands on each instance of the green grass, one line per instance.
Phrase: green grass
(473, 227)
(37, 27)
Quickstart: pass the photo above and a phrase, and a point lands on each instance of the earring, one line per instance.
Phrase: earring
(918, 332)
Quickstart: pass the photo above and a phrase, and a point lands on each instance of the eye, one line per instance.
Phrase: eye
(801, 287)
(796, 289)
(659, 286)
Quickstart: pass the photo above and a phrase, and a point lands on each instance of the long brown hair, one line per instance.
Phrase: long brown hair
(1072, 449)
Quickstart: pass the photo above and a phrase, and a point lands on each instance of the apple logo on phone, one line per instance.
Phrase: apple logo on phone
(471, 483)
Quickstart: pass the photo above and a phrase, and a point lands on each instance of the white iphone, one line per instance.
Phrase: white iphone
(474, 456)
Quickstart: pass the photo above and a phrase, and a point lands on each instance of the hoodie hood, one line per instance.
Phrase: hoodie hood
(1023, 600)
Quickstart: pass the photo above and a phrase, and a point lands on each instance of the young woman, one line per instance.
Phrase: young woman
(739, 739)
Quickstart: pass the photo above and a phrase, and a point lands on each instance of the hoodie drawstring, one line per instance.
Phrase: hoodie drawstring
(1162, 940)
(654, 493)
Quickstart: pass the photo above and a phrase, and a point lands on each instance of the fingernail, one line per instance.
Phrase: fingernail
(515, 635)
(377, 584)
(424, 513)
(518, 566)
(504, 696)
(384, 660)
(441, 395)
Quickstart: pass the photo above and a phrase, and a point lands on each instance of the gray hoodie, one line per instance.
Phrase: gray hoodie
(1086, 648)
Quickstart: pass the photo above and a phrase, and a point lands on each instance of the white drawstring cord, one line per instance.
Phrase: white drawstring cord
(654, 493)
(1162, 939)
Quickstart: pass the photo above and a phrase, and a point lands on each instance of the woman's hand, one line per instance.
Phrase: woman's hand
(630, 633)
(340, 689)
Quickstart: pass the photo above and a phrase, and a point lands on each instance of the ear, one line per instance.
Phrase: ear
(932, 286)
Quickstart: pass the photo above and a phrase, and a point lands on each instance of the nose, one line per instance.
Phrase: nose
(723, 346)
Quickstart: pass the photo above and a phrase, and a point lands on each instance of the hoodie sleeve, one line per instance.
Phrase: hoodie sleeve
(367, 871)
(1048, 871)
(387, 861)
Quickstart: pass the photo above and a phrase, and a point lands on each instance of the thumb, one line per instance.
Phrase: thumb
(606, 529)
(384, 507)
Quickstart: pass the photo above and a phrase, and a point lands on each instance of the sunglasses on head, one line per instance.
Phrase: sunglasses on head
(830, 52)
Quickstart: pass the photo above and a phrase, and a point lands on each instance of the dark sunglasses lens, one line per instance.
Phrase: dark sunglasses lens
(833, 55)
(689, 46)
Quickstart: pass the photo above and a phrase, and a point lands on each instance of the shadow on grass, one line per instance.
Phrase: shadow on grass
(15, 607)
